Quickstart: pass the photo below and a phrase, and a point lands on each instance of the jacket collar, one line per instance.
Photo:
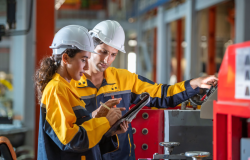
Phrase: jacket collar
(110, 85)
(108, 75)
(58, 77)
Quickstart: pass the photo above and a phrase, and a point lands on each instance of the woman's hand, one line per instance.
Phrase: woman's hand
(114, 115)
(124, 128)
(102, 111)
(204, 82)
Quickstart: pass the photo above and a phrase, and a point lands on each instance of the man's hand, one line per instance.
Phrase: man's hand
(102, 111)
(114, 114)
(204, 82)
(124, 128)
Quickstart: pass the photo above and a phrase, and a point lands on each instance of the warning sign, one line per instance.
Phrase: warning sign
(242, 76)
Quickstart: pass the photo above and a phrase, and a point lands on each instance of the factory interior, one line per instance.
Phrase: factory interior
(164, 47)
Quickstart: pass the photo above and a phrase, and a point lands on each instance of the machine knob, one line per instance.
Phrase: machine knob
(133, 130)
(169, 146)
(144, 146)
(144, 131)
(197, 155)
(145, 115)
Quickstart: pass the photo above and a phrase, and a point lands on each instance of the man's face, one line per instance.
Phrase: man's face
(105, 57)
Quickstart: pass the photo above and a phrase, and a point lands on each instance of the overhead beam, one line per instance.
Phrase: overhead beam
(175, 13)
(201, 4)
(180, 11)
(149, 24)
(89, 24)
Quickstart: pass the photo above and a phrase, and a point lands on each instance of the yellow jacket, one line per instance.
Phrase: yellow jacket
(66, 129)
(121, 83)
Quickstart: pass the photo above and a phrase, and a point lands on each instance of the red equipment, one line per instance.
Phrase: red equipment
(228, 125)
(148, 132)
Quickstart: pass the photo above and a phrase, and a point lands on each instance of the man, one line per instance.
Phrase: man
(102, 82)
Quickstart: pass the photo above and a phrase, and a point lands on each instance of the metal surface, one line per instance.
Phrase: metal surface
(144, 131)
(169, 146)
(197, 155)
(207, 106)
(146, 56)
(173, 156)
(163, 57)
(189, 129)
(155, 127)
(145, 115)
(191, 55)
(227, 110)
(242, 21)
(244, 148)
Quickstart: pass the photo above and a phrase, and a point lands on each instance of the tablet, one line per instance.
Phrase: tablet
(130, 115)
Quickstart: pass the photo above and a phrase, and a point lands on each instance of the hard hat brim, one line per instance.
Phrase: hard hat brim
(59, 47)
(104, 41)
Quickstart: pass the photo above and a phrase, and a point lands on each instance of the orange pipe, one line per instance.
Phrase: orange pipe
(179, 50)
(211, 64)
(155, 55)
(45, 30)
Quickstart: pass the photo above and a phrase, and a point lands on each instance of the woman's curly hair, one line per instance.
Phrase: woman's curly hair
(48, 67)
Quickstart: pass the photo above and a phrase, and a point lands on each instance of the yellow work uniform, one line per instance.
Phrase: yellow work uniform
(66, 128)
(120, 83)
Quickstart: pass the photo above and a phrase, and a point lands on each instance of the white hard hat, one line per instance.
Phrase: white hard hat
(110, 33)
(72, 37)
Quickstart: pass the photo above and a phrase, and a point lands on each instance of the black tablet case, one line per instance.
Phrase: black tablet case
(131, 114)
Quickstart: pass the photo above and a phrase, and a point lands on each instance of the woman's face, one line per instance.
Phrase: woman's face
(78, 64)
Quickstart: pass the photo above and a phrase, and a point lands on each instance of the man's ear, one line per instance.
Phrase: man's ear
(65, 58)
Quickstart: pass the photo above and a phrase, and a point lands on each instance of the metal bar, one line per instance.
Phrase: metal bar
(179, 49)
(138, 50)
(242, 21)
(163, 57)
(192, 66)
(211, 65)
(173, 156)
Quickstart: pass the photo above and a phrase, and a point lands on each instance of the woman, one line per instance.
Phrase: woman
(66, 128)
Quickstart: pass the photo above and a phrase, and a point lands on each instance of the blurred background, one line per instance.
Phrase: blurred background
(167, 41)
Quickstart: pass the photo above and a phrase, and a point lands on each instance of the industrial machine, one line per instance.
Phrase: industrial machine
(187, 129)
(171, 128)
(231, 111)
(225, 112)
